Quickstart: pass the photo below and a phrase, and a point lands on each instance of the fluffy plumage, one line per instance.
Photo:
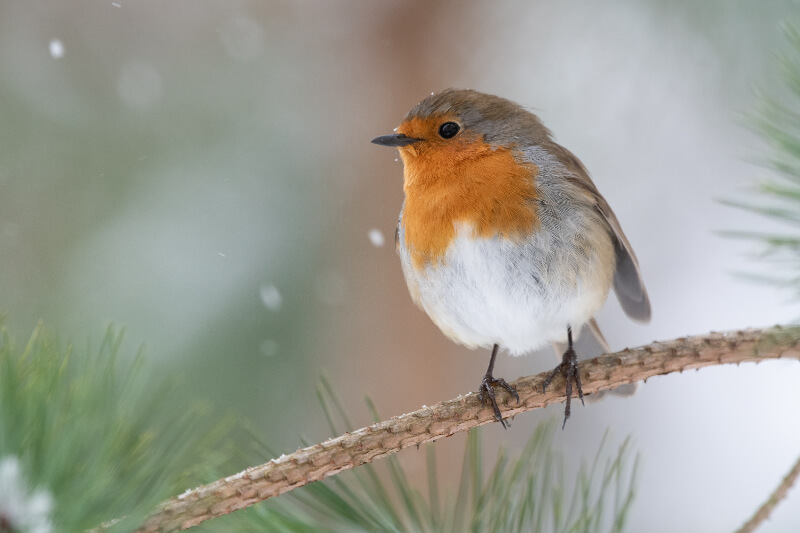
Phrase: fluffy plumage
(503, 237)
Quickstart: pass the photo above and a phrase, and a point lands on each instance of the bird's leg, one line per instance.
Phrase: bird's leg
(486, 390)
(569, 368)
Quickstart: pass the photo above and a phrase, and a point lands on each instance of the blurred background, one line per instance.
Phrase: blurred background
(201, 174)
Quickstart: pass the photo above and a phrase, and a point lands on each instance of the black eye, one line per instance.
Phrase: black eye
(448, 130)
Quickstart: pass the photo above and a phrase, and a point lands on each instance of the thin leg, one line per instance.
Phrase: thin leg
(486, 390)
(569, 368)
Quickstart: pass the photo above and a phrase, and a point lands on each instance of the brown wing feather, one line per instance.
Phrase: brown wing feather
(628, 283)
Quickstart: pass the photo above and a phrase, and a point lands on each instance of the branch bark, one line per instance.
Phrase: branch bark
(777, 495)
(347, 451)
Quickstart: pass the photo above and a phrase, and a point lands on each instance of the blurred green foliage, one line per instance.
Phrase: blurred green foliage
(106, 442)
(776, 119)
(526, 492)
(103, 437)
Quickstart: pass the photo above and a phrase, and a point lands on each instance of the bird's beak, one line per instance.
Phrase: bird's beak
(396, 140)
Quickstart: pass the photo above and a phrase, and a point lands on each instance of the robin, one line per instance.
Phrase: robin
(504, 239)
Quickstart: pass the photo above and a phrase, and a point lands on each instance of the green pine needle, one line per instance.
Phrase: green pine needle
(92, 431)
(777, 121)
(524, 493)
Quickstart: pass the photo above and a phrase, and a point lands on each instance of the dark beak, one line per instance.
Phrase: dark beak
(396, 139)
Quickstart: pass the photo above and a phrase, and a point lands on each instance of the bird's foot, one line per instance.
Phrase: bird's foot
(569, 368)
(487, 396)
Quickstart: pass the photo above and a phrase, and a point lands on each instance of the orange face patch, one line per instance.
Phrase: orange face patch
(464, 179)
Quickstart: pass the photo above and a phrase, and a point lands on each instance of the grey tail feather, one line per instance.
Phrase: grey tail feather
(630, 290)
(598, 336)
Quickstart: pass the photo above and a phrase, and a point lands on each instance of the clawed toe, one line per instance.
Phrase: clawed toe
(569, 369)
(486, 391)
(487, 395)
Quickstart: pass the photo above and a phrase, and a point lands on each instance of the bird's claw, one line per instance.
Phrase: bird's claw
(569, 368)
(486, 395)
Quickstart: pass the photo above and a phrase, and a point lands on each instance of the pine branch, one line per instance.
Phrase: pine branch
(777, 495)
(365, 445)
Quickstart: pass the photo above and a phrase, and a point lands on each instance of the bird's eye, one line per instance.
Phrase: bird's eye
(448, 130)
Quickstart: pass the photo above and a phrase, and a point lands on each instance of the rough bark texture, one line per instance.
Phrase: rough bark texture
(347, 451)
(777, 495)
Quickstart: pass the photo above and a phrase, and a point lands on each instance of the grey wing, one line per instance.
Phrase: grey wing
(628, 283)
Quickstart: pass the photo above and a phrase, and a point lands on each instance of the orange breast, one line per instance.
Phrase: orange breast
(464, 182)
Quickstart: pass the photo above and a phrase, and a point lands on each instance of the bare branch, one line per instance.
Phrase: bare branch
(347, 451)
(777, 495)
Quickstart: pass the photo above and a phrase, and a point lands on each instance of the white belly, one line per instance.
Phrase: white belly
(521, 296)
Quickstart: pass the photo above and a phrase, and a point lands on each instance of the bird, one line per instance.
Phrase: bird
(503, 238)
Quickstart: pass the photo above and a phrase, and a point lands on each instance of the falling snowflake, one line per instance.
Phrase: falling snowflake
(56, 49)
(376, 237)
(271, 297)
